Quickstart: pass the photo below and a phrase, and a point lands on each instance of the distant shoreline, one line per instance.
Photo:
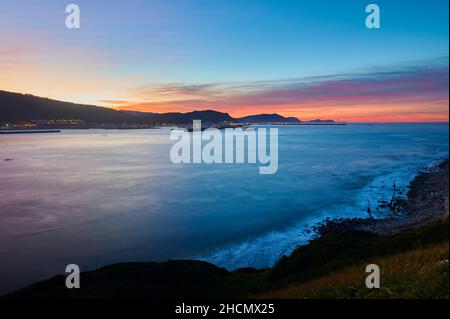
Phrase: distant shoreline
(304, 124)
(29, 131)
(124, 128)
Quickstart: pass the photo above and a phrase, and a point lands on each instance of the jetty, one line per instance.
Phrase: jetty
(28, 131)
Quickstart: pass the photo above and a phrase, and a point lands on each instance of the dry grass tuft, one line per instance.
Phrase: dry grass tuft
(416, 274)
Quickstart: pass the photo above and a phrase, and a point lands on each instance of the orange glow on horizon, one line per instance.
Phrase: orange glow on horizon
(417, 97)
(399, 112)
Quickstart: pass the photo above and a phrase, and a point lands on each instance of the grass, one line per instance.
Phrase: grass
(419, 273)
(332, 266)
(335, 251)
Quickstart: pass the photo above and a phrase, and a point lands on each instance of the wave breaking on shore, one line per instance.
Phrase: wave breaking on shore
(266, 250)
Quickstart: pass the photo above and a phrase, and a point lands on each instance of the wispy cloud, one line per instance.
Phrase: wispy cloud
(418, 91)
(114, 102)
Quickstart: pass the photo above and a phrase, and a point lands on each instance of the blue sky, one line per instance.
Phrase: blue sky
(134, 44)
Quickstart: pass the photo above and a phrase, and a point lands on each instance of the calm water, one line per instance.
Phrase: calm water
(96, 197)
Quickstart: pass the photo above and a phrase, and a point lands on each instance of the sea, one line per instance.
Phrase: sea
(96, 197)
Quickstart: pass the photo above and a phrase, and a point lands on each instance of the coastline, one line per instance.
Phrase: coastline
(339, 243)
(266, 250)
(427, 202)
(10, 132)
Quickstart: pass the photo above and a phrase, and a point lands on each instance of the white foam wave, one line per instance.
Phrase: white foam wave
(266, 250)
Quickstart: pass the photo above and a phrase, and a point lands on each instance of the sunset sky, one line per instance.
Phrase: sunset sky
(309, 59)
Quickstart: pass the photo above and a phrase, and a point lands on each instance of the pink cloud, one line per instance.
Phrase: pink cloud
(416, 93)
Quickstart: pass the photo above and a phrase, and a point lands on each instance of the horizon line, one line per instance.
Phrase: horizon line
(115, 108)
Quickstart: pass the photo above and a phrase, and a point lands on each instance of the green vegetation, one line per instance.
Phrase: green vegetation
(414, 264)
(419, 273)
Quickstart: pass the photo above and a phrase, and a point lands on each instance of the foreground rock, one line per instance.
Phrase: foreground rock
(188, 279)
(427, 202)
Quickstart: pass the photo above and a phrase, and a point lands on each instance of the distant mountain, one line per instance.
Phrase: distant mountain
(16, 107)
(25, 107)
(321, 121)
(182, 118)
(268, 118)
